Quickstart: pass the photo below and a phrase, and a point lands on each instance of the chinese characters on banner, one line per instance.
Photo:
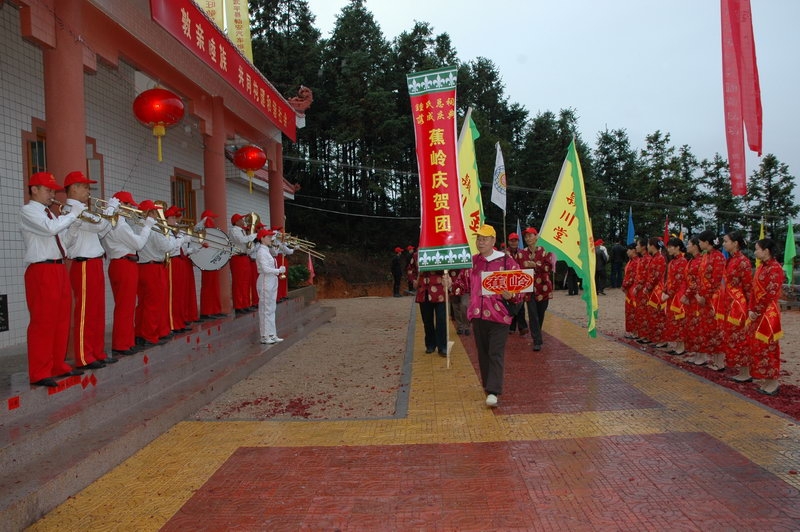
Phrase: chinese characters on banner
(187, 23)
(567, 230)
(442, 242)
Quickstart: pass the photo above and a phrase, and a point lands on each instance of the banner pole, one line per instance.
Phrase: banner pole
(449, 344)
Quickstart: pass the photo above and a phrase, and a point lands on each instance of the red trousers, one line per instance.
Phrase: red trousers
(152, 305)
(89, 311)
(124, 277)
(283, 281)
(240, 281)
(190, 308)
(210, 302)
(49, 300)
(176, 288)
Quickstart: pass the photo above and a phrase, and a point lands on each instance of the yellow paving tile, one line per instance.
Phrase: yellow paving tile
(445, 405)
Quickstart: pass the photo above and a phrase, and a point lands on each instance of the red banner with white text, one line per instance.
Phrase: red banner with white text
(443, 241)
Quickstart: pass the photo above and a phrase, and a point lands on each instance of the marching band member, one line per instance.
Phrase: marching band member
(122, 244)
(47, 286)
(267, 286)
(152, 289)
(192, 245)
(86, 275)
(280, 250)
(210, 302)
(240, 264)
(252, 252)
(176, 278)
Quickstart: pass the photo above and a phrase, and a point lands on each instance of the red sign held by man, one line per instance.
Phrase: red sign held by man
(514, 281)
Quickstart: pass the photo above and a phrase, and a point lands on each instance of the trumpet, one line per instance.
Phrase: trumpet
(253, 220)
(90, 214)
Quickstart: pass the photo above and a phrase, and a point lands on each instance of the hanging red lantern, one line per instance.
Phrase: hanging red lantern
(158, 108)
(250, 158)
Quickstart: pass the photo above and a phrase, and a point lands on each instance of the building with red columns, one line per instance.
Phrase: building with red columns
(69, 74)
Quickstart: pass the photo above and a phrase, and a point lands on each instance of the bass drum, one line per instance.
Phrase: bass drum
(214, 256)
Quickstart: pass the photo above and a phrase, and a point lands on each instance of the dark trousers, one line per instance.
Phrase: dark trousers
(490, 339)
(572, 282)
(434, 319)
(616, 274)
(519, 321)
(396, 284)
(536, 310)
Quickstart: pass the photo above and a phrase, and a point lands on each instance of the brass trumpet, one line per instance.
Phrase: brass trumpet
(90, 215)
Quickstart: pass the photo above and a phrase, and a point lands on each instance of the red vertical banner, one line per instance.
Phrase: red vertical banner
(741, 90)
(443, 240)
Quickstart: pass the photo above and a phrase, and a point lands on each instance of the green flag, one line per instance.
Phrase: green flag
(567, 230)
(789, 254)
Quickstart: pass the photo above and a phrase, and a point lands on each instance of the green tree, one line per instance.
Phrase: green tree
(770, 193)
(616, 168)
(718, 207)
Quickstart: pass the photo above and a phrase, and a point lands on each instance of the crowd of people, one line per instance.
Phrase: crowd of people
(148, 247)
(492, 317)
(708, 306)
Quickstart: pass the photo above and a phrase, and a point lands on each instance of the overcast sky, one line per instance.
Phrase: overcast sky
(640, 65)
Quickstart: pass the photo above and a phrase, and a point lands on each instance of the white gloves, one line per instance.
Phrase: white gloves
(149, 222)
(112, 207)
(282, 269)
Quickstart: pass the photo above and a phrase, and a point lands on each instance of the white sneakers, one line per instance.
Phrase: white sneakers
(491, 400)
(271, 339)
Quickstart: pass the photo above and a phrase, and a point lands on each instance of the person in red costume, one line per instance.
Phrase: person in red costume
(765, 318)
(712, 268)
(737, 284)
(672, 296)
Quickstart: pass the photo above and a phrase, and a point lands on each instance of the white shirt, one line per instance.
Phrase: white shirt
(266, 262)
(122, 240)
(240, 239)
(157, 248)
(82, 239)
(39, 232)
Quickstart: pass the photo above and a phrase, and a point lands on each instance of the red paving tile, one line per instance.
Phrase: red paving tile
(558, 379)
(677, 481)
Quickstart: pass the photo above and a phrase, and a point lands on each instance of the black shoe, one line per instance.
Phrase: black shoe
(109, 360)
(139, 340)
(93, 365)
(50, 383)
(219, 316)
(181, 330)
(442, 353)
(760, 390)
(122, 353)
(240, 311)
(166, 337)
(206, 317)
(537, 347)
(161, 341)
(73, 373)
(429, 350)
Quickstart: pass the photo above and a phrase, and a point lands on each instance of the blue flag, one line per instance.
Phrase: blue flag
(631, 232)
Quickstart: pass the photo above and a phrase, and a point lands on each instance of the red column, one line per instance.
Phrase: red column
(63, 94)
(214, 190)
(276, 210)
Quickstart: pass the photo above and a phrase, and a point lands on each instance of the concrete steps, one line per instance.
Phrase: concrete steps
(57, 441)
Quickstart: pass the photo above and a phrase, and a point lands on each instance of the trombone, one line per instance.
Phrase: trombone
(306, 246)
(90, 214)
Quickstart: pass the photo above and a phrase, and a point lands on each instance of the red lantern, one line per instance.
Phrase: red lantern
(250, 158)
(158, 108)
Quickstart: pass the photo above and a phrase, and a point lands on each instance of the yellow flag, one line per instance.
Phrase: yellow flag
(761, 236)
(237, 14)
(469, 183)
(215, 10)
(567, 230)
